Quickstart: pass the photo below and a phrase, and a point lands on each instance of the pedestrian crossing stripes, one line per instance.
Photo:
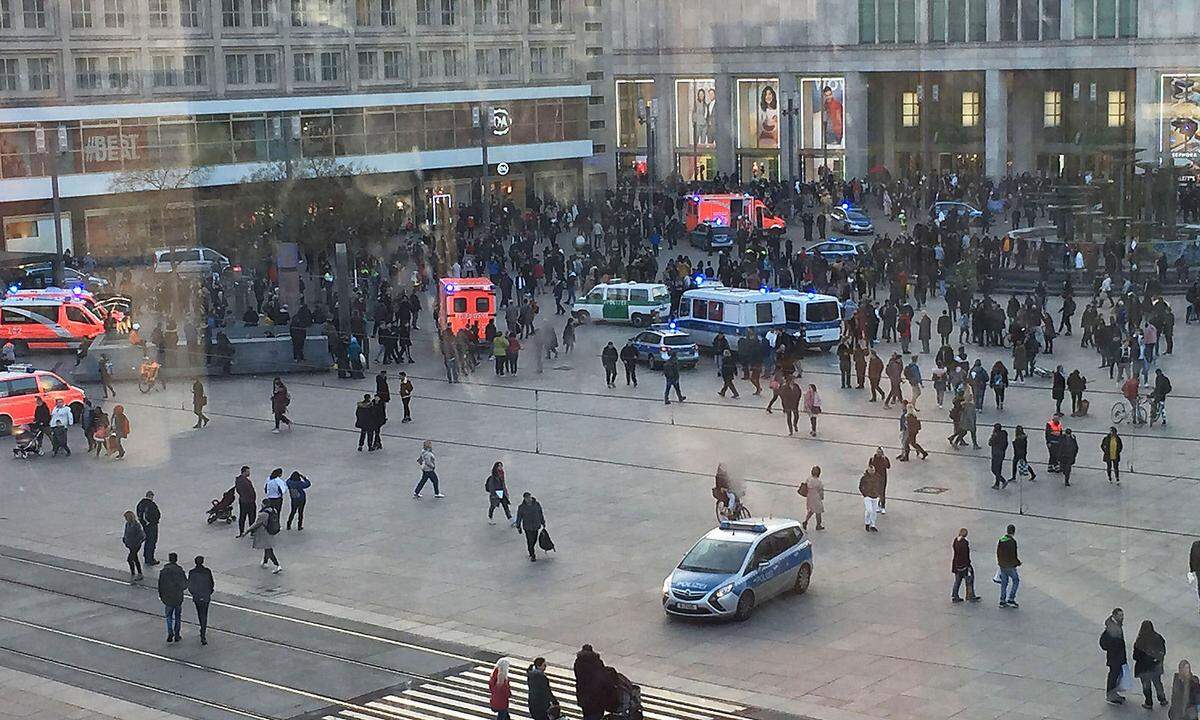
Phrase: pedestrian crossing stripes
(464, 696)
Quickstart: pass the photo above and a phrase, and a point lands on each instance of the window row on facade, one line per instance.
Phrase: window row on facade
(259, 69)
(955, 21)
(266, 16)
(133, 143)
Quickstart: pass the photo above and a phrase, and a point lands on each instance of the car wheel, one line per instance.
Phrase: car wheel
(745, 606)
(6, 425)
(639, 321)
(583, 316)
(803, 578)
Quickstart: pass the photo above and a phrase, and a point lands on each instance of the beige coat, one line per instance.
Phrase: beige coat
(816, 495)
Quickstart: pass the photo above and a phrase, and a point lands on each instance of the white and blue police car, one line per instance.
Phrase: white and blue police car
(659, 339)
(738, 566)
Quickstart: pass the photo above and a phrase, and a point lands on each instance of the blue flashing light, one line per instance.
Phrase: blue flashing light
(451, 287)
(13, 288)
(78, 290)
(672, 325)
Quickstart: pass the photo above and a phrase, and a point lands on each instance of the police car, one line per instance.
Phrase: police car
(651, 342)
(851, 220)
(738, 566)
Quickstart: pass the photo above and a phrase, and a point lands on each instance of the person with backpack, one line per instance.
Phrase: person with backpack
(531, 521)
(263, 531)
(497, 492)
(297, 484)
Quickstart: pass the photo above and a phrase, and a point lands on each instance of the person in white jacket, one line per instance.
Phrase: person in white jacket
(61, 418)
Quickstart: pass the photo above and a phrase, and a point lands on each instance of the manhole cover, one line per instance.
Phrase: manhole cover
(931, 490)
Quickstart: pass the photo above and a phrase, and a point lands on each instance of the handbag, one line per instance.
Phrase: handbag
(996, 577)
(544, 541)
(803, 489)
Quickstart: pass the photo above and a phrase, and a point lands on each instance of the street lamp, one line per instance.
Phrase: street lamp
(51, 159)
(791, 112)
(482, 118)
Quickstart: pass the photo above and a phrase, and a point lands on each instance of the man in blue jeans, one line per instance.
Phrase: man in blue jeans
(1006, 558)
(428, 463)
(670, 368)
(172, 582)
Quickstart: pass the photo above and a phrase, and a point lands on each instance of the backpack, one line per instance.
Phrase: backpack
(544, 541)
(272, 521)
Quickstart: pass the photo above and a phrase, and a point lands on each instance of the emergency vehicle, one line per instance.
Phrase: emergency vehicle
(726, 210)
(20, 387)
(51, 319)
(711, 309)
(617, 301)
(466, 302)
(815, 320)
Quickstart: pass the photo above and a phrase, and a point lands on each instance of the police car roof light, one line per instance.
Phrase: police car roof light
(746, 526)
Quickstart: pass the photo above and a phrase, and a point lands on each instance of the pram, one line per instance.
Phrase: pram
(222, 509)
(627, 698)
(29, 442)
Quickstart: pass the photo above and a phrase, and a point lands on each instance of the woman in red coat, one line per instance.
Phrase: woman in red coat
(500, 689)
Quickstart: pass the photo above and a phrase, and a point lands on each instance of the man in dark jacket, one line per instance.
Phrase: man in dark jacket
(1007, 560)
(172, 582)
(200, 585)
(608, 358)
(670, 368)
(629, 357)
(247, 499)
(1068, 450)
(945, 325)
(998, 442)
(148, 515)
(542, 703)
(593, 688)
(530, 520)
(961, 566)
(1112, 642)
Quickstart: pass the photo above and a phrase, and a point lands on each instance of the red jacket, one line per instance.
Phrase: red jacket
(500, 692)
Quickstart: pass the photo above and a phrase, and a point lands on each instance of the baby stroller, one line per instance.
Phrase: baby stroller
(29, 442)
(222, 509)
(627, 697)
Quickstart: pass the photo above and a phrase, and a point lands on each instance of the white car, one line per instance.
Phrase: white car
(189, 260)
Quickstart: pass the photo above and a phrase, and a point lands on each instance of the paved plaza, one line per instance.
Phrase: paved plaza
(625, 481)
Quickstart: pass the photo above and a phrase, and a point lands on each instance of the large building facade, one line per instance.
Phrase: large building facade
(225, 90)
(780, 88)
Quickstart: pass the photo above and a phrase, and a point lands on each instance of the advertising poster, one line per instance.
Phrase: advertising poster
(824, 114)
(1180, 108)
(632, 94)
(758, 113)
(696, 114)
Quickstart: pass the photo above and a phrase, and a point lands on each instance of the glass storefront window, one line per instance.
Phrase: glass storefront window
(250, 140)
(632, 98)
(316, 135)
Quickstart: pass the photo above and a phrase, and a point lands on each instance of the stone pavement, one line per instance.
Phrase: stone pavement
(624, 481)
(29, 697)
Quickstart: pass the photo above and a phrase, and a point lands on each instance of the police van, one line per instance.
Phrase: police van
(639, 304)
(738, 566)
(815, 320)
(706, 311)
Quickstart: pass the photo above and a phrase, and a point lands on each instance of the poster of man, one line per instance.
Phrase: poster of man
(696, 113)
(825, 112)
(758, 113)
(1181, 119)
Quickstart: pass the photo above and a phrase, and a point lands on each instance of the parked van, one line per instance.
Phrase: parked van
(712, 219)
(20, 389)
(814, 320)
(189, 260)
(467, 301)
(639, 304)
(49, 321)
(706, 311)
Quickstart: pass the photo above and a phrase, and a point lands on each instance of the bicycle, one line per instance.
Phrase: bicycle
(741, 513)
(1121, 411)
(148, 375)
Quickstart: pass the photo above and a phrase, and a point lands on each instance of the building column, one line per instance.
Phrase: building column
(856, 124)
(788, 89)
(1145, 114)
(1067, 18)
(664, 127)
(1026, 123)
(995, 129)
(993, 21)
(726, 123)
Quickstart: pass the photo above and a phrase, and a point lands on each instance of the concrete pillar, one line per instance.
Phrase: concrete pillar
(889, 119)
(922, 22)
(1145, 113)
(856, 124)
(726, 123)
(788, 166)
(664, 129)
(1068, 19)
(1026, 123)
(993, 21)
(995, 129)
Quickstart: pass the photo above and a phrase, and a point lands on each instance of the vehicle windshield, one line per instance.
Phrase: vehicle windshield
(716, 556)
(822, 311)
(660, 295)
(677, 340)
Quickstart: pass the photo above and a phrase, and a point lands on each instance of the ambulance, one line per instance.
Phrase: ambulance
(466, 302)
(712, 219)
(51, 319)
(815, 320)
(706, 311)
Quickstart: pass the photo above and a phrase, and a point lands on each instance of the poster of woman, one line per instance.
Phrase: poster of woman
(768, 118)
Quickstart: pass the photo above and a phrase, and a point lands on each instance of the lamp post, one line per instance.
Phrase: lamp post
(791, 112)
(481, 117)
(51, 159)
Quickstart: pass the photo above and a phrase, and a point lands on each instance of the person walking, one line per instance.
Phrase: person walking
(118, 430)
(568, 335)
(874, 375)
(998, 443)
(1194, 567)
(297, 486)
(1068, 451)
(61, 418)
(500, 689)
(999, 382)
(132, 538)
(1112, 642)
(912, 428)
(199, 401)
(427, 461)
(967, 418)
(728, 373)
(262, 536)
(1008, 562)
(1020, 458)
(1110, 450)
(364, 420)
(274, 489)
(530, 520)
(879, 461)
(1058, 388)
(247, 499)
(812, 407)
(608, 358)
(1185, 693)
(280, 399)
(106, 377)
(497, 491)
(868, 487)
(894, 372)
(172, 583)
(789, 399)
(406, 391)
(813, 492)
(629, 359)
(149, 516)
(513, 352)
(201, 587)
(542, 703)
(670, 367)
(1149, 653)
(1076, 385)
(912, 375)
(594, 688)
(960, 566)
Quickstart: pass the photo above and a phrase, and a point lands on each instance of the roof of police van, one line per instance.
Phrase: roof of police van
(728, 293)
(792, 293)
(628, 283)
